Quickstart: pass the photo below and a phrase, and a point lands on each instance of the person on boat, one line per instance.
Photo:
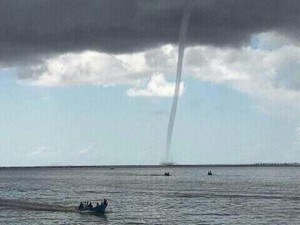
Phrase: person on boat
(90, 205)
(105, 202)
(80, 205)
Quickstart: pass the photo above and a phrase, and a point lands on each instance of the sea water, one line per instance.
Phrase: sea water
(143, 195)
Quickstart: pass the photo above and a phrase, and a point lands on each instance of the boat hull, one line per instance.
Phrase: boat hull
(96, 209)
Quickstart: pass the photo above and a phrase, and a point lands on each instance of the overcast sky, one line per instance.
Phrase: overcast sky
(91, 82)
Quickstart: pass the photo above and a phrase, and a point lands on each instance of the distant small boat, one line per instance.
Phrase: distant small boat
(167, 174)
(209, 173)
(96, 209)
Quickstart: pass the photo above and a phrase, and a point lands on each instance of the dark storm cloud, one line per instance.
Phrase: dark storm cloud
(37, 27)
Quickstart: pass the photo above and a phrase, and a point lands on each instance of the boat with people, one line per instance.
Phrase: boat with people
(88, 207)
(167, 174)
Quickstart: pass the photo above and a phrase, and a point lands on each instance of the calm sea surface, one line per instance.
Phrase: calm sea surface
(235, 195)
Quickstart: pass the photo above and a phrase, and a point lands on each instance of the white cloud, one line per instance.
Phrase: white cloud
(263, 67)
(271, 76)
(96, 68)
(85, 151)
(41, 151)
(88, 68)
(271, 40)
(157, 86)
(269, 71)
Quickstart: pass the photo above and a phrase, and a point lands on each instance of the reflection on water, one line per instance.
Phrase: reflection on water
(145, 196)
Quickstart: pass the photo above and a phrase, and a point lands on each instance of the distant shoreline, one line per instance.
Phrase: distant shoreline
(157, 166)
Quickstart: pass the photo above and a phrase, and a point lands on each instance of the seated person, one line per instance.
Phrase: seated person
(105, 201)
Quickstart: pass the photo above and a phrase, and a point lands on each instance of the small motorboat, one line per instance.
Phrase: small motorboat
(99, 208)
(167, 174)
(209, 173)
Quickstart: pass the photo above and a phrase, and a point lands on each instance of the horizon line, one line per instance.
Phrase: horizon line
(288, 164)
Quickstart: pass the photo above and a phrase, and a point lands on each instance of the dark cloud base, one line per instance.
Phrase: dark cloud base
(32, 28)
